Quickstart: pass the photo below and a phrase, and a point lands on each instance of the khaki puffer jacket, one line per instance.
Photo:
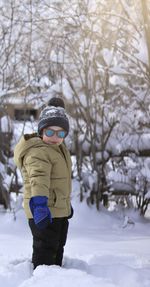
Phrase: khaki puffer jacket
(46, 171)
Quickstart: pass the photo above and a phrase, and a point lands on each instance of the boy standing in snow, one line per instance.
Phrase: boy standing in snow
(46, 169)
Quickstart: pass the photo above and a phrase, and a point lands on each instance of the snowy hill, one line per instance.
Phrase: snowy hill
(103, 250)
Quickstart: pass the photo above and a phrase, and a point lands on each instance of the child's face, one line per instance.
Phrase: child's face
(54, 139)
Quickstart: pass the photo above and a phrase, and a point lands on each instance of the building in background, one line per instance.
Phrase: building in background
(21, 107)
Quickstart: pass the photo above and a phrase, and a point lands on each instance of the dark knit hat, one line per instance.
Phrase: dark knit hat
(54, 115)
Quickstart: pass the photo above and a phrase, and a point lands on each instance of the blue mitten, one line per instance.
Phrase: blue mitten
(40, 211)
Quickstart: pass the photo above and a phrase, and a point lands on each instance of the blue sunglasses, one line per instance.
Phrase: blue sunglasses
(60, 133)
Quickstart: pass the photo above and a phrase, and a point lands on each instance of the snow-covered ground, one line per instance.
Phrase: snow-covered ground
(102, 250)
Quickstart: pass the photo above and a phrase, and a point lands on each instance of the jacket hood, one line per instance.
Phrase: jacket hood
(25, 143)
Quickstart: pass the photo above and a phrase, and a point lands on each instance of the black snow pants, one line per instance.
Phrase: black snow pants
(48, 243)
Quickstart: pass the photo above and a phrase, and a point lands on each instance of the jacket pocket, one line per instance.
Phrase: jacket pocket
(52, 198)
(56, 199)
(60, 203)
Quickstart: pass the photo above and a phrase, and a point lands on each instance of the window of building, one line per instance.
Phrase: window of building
(25, 115)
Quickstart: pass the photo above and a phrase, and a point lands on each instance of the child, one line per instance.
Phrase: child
(45, 165)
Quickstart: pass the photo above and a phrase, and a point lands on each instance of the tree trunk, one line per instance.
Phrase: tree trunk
(146, 19)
